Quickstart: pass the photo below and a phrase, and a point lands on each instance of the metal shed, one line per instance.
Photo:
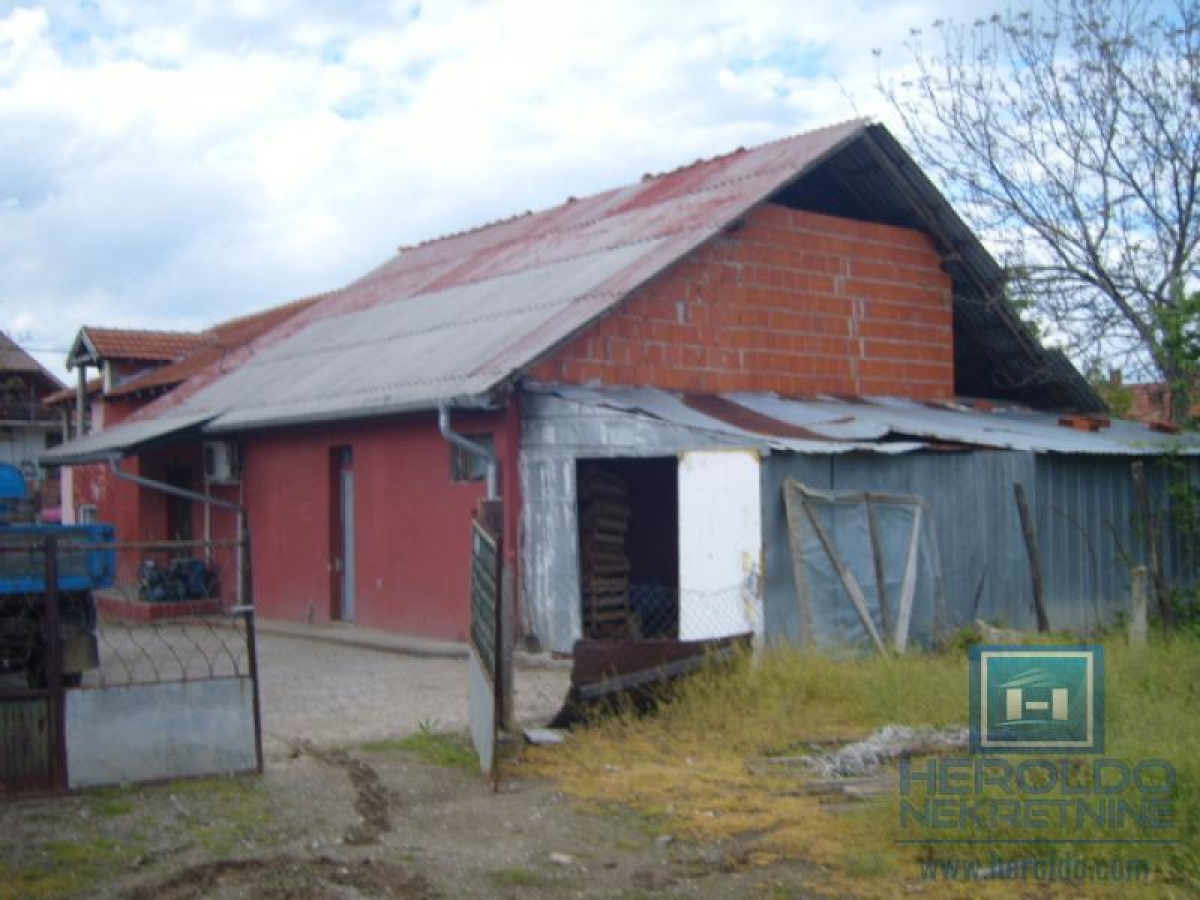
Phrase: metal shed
(962, 461)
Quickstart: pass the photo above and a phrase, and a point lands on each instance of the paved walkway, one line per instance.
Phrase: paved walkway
(350, 635)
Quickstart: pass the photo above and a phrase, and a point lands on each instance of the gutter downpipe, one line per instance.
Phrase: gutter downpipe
(470, 446)
(114, 463)
(245, 598)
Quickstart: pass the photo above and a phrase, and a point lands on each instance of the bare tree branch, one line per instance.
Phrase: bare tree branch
(1069, 132)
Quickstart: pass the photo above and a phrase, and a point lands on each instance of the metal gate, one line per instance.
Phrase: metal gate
(144, 679)
(485, 684)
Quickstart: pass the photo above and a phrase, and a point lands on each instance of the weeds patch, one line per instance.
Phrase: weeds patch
(686, 764)
(439, 748)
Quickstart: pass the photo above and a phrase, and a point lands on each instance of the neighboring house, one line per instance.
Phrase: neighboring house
(1151, 403)
(806, 309)
(27, 428)
(135, 368)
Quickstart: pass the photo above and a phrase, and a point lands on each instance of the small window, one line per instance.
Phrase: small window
(467, 466)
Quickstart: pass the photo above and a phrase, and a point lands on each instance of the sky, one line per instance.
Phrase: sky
(171, 164)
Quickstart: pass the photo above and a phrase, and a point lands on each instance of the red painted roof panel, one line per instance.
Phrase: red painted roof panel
(456, 317)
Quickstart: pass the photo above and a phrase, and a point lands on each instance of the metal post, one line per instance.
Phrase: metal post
(81, 402)
(247, 610)
(1139, 597)
(52, 661)
(1035, 558)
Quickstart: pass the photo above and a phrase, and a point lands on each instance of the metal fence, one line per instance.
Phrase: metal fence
(149, 678)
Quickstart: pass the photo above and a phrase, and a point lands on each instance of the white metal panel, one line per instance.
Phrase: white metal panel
(147, 732)
(481, 708)
(720, 545)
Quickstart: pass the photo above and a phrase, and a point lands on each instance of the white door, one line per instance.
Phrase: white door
(720, 545)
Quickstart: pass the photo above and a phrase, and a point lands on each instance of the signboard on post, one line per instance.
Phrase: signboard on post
(485, 680)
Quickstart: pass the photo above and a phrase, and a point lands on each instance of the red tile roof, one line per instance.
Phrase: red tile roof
(146, 346)
(213, 345)
(67, 395)
(13, 359)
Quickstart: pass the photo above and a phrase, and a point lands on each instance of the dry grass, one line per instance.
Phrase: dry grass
(685, 766)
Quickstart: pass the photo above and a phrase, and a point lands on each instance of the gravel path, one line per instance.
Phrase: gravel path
(333, 694)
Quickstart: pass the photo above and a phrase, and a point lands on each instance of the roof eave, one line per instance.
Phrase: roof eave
(481, 402)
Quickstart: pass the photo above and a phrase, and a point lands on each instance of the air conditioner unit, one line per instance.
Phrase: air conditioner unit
(221, 462)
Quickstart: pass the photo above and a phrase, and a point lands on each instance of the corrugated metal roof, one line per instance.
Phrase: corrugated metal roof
(686, 412)
(409, 354)
(1005, 428)
(114, 442)
(456, 319)
(881, 425)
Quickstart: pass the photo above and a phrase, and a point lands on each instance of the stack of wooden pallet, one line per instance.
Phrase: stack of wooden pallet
(604, 566)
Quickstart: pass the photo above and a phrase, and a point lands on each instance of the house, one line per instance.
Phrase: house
(650, 369)
(134, 368)
(27, 428)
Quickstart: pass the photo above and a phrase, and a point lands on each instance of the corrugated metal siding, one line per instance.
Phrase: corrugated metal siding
(1090, 534)
(1084, 515)
(982, 554)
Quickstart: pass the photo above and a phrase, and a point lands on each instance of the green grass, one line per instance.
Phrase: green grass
(65, 868)
(686, 764)
(518, 876)
(109, 802)
(452, 750)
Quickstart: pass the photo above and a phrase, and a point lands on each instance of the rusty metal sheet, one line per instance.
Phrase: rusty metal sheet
(602, 669)
(26, 748)
(998, 427)
(453, 318)
(733, 418)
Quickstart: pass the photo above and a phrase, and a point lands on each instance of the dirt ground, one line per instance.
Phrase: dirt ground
(347, 807)
(367, 820)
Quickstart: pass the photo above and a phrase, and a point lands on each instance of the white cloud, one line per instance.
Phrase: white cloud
(173, 164)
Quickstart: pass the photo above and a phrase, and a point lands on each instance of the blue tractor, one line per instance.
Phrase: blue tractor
(86, 560)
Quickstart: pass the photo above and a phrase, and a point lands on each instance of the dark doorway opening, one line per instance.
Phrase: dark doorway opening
(179, 509)
(341, 534)
(628, 521)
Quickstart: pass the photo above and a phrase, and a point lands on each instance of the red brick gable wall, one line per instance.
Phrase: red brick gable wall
(793, 302)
